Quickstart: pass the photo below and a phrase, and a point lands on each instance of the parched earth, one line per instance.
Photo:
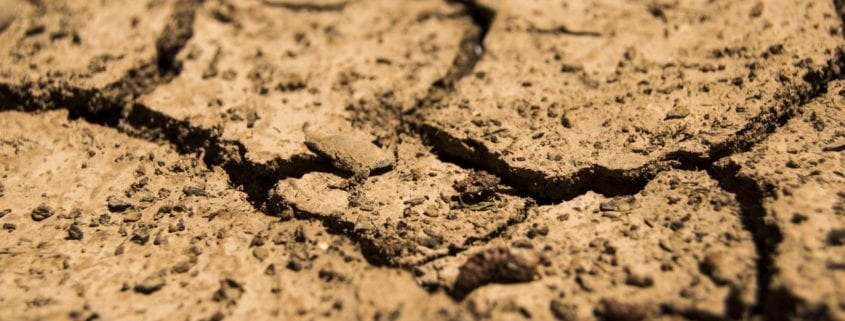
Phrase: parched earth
(422, 160)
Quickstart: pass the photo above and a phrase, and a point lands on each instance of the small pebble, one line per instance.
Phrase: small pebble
(141, 236)
(680, 111)
(41, 213)
(183, 266)
(132, 217)
(150, 284)
(116, 204)
(74, 232)
(260, 253)
(563, 311)
(639, 276)
(614, 310)
(194, 191)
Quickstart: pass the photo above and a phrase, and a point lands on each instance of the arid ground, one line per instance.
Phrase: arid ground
(422, 160)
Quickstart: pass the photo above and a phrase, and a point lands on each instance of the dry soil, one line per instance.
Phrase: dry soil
(422, 160)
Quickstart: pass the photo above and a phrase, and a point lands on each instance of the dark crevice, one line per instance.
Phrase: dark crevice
(105, 105)
(470, 49)
(792, 99)
(174, 37)
(472, 153)
(254, 179)
(371, 251)
(770, 304)
(750, 195)
(306, 6)
(469, 153)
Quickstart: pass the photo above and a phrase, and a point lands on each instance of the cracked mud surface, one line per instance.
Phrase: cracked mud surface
(424, 159)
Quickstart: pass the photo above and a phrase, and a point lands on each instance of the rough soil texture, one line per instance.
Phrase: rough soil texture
(800, 170)
(571, 93)
(422, 160)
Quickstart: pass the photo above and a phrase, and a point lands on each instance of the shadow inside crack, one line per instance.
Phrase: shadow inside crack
(766, 236)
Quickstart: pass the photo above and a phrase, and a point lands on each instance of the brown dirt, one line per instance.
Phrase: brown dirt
(424, 159)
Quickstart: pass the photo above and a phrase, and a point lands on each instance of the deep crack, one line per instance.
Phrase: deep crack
(766, 236)
(256, 180)
(104, 106)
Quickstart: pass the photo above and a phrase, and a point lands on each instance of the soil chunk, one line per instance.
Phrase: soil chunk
(477, 184)
(73, 51)
(150, 284)
(497, 264)
(42, 212)
(117, 204)
(74, 232)
(349, 153)
(194, 191)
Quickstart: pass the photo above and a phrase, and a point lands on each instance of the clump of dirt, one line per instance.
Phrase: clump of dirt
(348, 153)
(498, 264)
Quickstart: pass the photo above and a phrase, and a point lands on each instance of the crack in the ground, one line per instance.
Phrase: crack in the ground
(114, 106)
(105, 105)
(766, 236)
(610, 182)
(536, 184)
(256, 180)
(306, 6)
(470, 153)
(471, 47)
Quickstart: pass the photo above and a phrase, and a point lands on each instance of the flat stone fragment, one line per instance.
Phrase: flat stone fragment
(407, 215)
(802, 173)
(677, 246)
(593, 94)
(198, 262)
(73, 50)
(349, 153)
(260, 72)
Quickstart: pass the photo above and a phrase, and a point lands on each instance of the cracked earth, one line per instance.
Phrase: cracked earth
(422, 159)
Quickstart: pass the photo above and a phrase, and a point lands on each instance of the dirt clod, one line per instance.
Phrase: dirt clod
(477, 184)
(150, 284)
(74, 232)
(117, 204)
(496, 265)
(615, 310)
(194, 191)
(42, 212)
(348, 153)
(140, 236)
